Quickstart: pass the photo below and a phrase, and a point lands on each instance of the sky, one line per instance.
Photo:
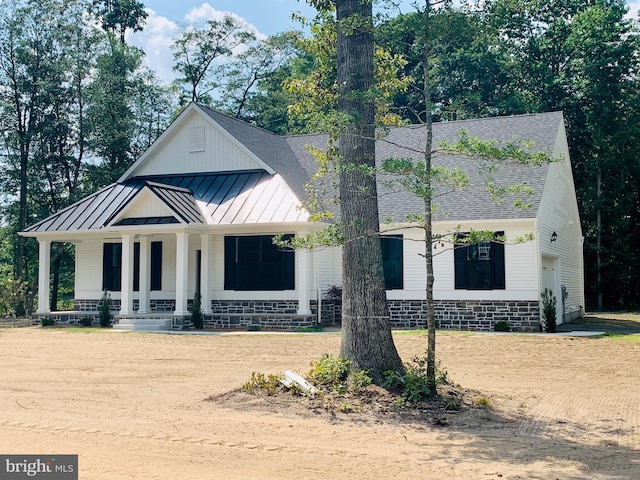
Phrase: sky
(264, 17)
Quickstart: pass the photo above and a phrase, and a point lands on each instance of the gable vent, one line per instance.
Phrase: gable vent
(196, 139)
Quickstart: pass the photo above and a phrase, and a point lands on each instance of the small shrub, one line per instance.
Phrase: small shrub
(253, 328)
(501, 326)
(104, 311)
(451, 403)
(261, 382)
(329, 371)
(413, 386)
(86, 321)
(358, 381)
(482, 402)
(346, 407)
(549, 310)
(47, 322)
(197, 315)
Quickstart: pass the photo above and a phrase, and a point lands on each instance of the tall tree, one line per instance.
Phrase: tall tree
(196, 50)
(118, 16)
(366, 331)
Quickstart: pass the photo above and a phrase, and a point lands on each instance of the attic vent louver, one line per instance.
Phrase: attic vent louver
(196, 139)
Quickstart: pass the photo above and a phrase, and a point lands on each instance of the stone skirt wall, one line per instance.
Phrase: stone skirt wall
(522, 316)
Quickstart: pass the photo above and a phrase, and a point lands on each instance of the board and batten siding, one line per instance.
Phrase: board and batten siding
(180, 153)
(558, 213)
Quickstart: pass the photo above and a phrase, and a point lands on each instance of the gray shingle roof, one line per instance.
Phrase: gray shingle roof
(474, 202)
(259, 197)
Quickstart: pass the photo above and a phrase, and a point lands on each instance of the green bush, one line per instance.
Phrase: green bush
(413, 385)
(501, 326)
(329, 371)
(86, 321)
(104, 311)
(197, 315)
(261, 382)
(548, 311)
(47, 322)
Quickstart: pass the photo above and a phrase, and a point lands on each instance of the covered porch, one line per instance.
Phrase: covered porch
(152, 274)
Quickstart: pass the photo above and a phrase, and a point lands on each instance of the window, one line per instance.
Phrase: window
(392, 249)
(255, 263)
(479, 266)
(112, 266)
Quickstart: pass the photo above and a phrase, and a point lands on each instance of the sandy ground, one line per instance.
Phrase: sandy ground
(133, 405)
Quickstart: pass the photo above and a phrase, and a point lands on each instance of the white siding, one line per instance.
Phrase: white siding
(88, 283)
(145, 205)
(520, 266)
(174, 154)
(559, 213)
(329, 268)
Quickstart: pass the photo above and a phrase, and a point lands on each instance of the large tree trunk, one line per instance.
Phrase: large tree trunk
(366, 331)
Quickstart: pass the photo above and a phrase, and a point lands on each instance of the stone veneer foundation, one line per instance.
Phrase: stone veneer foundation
(522, 316)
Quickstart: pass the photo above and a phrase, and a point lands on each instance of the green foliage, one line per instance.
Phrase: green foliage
(549, 311)
(259, 382)
(414, 384)
(501, 326)
(329, 372)
(13, 295)
(47, 322)
(482, 402)
(86, 321)
(104, 310)
(197, 315)
(359, 380)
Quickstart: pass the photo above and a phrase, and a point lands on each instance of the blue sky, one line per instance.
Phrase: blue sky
(266, 17)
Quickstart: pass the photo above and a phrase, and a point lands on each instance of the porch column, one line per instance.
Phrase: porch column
(205, 256)
(126, 282)
(145, 275)
(303, 265)
(182, 272)
(44, 271)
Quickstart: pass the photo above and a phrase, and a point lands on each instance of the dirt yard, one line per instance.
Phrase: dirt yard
(133, 406)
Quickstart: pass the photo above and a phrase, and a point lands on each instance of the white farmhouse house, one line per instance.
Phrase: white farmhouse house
(197, 211)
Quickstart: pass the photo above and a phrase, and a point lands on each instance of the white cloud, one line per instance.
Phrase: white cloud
(159, 34)
(634, 9)
(155, 40)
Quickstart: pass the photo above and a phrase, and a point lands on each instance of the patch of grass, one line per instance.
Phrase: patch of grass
(482, 402)
(313, 329)
(623, 337)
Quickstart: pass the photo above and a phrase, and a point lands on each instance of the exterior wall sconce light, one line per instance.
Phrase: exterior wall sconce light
(554, 236)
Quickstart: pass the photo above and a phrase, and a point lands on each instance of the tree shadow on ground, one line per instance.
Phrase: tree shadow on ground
(492, 438)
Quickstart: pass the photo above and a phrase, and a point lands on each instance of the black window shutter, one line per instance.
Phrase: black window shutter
(111, 266)
(460, 266)
(156, 266)
(230, 273)
(136, 267)
(497, 257)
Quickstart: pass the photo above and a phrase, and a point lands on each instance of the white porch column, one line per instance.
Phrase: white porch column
(303, 275)
(44, 271)
(182, 273)
(205, 257)
(145, 275)
(126, 282)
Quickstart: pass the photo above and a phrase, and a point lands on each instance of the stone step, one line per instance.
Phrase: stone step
(143, 324)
